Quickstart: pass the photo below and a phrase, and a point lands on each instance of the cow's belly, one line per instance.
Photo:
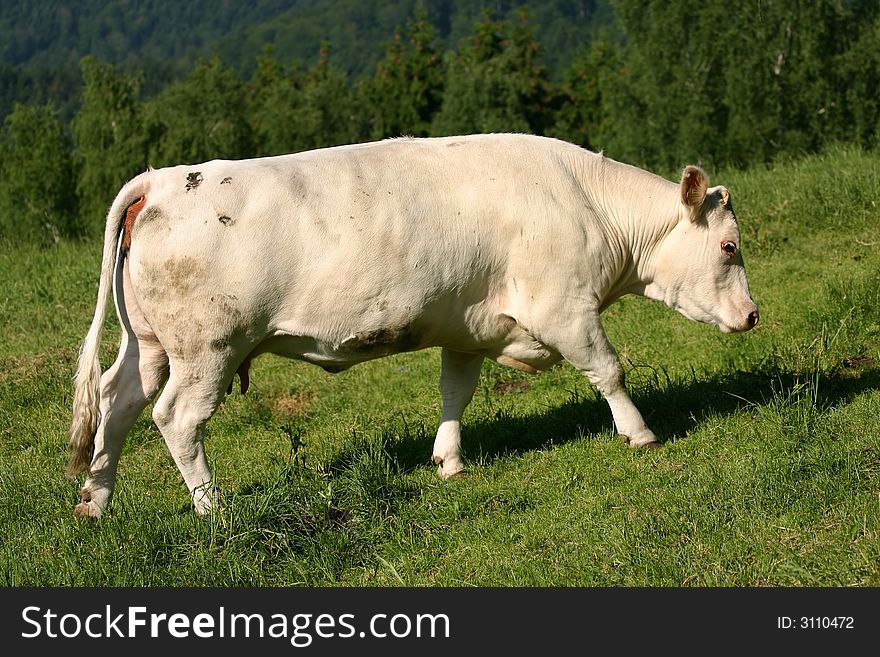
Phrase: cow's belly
(359, 347)
(510, 345)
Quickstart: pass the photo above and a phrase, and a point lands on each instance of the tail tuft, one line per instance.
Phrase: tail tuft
(86, 415)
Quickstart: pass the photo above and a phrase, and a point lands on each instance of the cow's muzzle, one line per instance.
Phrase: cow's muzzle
(747, 323)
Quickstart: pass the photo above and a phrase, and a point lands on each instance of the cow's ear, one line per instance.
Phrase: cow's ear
(694, 184)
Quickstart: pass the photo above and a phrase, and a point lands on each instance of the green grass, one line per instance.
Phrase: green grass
(769, 473)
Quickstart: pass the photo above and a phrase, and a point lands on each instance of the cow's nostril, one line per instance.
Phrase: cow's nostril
(753, 318)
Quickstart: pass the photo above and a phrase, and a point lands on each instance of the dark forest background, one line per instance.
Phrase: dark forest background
(91, 93)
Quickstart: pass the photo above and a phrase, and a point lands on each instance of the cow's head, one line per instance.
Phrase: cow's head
(699, 269)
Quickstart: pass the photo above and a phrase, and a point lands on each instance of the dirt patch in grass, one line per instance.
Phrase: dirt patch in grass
(293, 405)
(853, 367)
(859, 362)
(505, 387)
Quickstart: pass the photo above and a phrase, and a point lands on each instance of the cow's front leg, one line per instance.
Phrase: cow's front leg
(594, 355)
(459, 373)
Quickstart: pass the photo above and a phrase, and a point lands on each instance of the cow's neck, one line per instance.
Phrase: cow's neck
(638, 210)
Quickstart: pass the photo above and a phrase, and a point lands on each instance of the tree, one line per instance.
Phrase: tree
(583, 115)
(295, 111)
(495, 84)
(781, 90)
(273, 96)
(37, 200)
(859, 72)
(109, 138)
(407, 89)
(711, 81)
(326, 113)
(665, 96)
(201, 117)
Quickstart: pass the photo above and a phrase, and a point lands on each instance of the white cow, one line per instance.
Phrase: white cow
(498, 246)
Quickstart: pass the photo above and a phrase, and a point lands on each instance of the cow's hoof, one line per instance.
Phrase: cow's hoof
(459, 474)
(207, 500)
(449, 468)
(647, 440)
(87, 509)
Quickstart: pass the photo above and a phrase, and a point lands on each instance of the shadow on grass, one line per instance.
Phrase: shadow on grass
(332, 516)
(671, 408)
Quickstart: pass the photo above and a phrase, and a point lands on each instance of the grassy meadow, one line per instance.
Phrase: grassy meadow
(769, 472)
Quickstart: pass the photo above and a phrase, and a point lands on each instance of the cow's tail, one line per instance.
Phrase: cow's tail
(86, 394)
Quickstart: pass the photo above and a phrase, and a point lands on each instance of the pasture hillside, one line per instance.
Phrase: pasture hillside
(769, 471)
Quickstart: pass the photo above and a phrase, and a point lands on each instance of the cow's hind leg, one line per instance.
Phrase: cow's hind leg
(459, 373)
(126, 388)
(188, 400)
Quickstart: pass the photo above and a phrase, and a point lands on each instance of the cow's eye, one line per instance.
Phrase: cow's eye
(729, 248)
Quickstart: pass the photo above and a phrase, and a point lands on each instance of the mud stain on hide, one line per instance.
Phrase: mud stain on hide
(226, 317)
(181, 274)
(193, 180)
(174, 277)
(226, 180)
(384, 340)
(150, 214)
(194, 322)
(226, 221)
